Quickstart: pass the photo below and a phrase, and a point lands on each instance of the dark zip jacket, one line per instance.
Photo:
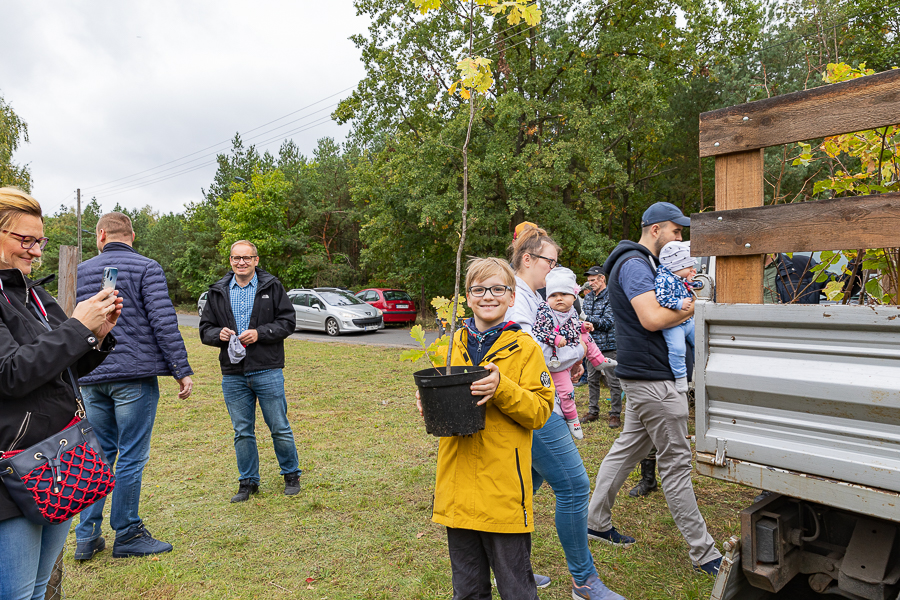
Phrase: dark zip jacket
(641, 354)
(36, 395)
(273, 318)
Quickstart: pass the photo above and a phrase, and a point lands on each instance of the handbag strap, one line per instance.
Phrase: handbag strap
(41, 313)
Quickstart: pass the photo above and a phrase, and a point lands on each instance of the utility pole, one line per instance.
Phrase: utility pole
(78, 212)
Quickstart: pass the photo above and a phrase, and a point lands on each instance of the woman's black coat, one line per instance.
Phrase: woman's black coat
(36, 395)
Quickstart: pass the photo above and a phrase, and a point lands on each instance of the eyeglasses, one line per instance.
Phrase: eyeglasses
(239, 259)
(28, 241)
(553, 262)
(497, 291)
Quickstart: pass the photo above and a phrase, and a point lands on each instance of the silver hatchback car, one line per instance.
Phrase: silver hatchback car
(334, 311)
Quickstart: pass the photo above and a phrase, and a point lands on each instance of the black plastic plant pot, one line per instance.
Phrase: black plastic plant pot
(447, 402)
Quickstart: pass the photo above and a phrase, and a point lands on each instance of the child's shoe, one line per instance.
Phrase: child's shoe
(681, 385)
(575, 428)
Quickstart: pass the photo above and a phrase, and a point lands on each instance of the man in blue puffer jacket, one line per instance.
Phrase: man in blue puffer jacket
(121, 398)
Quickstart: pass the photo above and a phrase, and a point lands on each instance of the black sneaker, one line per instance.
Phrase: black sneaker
(137, 541)
(245, 488)
(611, 537)
(87, 550)
(292, 484)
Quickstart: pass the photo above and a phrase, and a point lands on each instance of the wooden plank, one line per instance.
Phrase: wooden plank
(863, 103)
(739, 184)
(68, 273)
(835, 224)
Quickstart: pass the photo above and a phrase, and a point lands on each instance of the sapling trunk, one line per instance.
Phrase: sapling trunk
(465, 207)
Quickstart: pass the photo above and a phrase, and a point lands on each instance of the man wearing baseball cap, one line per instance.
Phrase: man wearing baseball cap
(656, 413)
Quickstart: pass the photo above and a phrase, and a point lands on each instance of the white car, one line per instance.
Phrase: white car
(334, 311)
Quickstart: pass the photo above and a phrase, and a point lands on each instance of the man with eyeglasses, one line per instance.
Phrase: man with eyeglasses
(247, 316)
(121, 395)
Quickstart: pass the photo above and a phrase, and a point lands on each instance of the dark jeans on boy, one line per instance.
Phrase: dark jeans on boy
(474, 553)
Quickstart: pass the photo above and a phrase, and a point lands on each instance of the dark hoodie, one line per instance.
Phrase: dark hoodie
(641, 354)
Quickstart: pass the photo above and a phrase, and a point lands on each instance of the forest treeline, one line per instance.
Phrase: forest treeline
(593, 117)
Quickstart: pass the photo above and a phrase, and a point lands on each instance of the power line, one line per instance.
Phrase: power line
(119, 186)
(101, 185)
(317, 123)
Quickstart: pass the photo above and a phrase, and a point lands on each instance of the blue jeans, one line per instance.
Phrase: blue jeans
(676, 338)
(241, 394)
(28, 554)
(555, 459)
(122, 413)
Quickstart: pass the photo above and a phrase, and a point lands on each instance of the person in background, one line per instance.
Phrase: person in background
(121, 396)
(598, 313)
(487, 511)
(247, 316)
(656, 414)
(37, 393)
(789, 280)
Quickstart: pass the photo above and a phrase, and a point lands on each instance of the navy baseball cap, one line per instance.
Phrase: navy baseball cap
(664, 211)
(595, 270)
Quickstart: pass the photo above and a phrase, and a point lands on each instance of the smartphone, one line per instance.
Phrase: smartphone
(110, 274)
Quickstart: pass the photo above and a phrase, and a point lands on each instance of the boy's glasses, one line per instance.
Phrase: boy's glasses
(28, 241)
(497, 291)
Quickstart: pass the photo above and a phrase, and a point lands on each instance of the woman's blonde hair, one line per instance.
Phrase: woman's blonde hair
(529, 239)
(14, 204)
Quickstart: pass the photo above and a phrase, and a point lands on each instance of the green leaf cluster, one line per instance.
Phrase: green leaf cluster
(13, 131)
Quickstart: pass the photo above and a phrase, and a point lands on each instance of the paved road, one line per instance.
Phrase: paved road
(392, 335)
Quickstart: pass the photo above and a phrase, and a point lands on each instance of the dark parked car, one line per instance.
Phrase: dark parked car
(396, 305)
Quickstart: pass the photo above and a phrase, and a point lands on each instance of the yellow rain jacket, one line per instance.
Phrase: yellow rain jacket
(484, 480)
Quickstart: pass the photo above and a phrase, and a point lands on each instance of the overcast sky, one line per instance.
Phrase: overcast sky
(111, 89)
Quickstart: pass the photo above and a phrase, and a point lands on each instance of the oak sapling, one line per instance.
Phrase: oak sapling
(475, 80)
(435, 350)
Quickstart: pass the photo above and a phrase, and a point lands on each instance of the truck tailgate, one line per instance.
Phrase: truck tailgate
(802, 400)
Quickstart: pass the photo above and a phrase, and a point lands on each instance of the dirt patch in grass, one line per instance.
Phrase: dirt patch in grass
(361, 526)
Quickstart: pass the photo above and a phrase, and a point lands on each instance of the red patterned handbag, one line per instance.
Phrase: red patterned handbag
(59, 476)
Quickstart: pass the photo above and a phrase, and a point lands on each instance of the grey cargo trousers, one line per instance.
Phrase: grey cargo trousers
(655, 415)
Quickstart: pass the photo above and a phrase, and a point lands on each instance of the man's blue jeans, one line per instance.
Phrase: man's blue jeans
(555, 459)
(28, 553)
(122, 413)
(241, 394)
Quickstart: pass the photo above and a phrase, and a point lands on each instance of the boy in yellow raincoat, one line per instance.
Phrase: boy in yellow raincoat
(483, 489)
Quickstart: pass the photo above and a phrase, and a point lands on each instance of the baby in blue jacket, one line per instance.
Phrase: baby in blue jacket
(674, 284)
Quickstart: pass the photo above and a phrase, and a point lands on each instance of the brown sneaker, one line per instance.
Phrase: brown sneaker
(614, 422)
(590, 417)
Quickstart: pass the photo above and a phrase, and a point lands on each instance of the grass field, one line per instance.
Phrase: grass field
(361, 527)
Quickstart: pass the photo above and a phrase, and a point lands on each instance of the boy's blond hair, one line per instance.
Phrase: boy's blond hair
(479, 269)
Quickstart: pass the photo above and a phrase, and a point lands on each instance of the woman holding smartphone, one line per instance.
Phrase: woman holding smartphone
(36, 396)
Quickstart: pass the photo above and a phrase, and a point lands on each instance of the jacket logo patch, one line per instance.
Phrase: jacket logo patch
(265, 295)
(545, 379)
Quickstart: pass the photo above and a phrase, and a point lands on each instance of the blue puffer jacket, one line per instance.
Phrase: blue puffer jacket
(148, 340)
(599, 314)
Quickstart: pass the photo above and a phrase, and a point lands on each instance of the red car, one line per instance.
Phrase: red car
(396, 305)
